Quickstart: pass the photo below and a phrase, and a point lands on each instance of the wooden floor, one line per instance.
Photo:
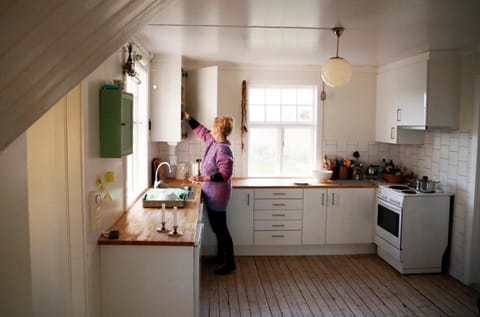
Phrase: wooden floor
(352, 285)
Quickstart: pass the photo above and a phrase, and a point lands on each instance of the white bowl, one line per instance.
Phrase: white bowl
(322, 176)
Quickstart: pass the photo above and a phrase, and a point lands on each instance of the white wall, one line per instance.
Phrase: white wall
(349, 110)
(16, 285)
(93, 166)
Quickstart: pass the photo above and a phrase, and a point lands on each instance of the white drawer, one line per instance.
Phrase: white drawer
(278, 225)
(277, 237)
(279, 193)
(277, 215)
(278, 204)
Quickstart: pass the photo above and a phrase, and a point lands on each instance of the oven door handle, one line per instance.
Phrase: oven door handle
(391, 207)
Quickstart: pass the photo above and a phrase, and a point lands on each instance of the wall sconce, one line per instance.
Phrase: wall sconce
(129, 66)
(337, 71)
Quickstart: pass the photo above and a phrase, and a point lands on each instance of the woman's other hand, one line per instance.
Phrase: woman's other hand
(199, 178)
(185, 115)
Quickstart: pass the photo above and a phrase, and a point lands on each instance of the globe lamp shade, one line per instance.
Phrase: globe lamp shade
(336, 72)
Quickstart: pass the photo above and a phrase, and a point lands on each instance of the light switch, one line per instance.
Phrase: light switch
(110, 177)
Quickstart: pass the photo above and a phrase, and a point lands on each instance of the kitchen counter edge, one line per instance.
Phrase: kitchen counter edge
(290, 183)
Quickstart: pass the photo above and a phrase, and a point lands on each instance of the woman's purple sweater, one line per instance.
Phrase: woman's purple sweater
(218, 158)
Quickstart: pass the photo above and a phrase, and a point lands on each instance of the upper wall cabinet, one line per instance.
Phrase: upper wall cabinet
(202, 94)
(166, 95)
(415, 94)
(116, 123)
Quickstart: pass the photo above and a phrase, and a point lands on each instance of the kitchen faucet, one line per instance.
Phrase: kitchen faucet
(157, 182)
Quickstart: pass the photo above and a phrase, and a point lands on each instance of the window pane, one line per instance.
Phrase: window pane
(256, 96)
(305, 114)
(289, 96)
(272, 96)
(297, 152)
(256, 113)
(263, 152)
(305, 96)
(273, 113)
(289, 113)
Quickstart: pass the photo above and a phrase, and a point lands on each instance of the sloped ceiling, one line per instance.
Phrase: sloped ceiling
(49, 46)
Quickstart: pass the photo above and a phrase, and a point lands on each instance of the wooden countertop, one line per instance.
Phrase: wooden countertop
(138, 225)
(290, 183)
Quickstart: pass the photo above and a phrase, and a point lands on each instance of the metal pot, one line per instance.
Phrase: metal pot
(425, 185)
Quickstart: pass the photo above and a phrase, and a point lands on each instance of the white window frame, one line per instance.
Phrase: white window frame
(136, 171)
(281, 125)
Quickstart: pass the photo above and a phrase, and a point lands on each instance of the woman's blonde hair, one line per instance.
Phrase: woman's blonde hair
(225, 124)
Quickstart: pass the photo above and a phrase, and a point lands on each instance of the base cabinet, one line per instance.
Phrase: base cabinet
(240, 216)
(314, 215)
(350, 215)
(278, 216)
(149, 280)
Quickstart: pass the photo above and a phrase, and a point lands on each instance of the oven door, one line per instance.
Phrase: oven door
(389, 222)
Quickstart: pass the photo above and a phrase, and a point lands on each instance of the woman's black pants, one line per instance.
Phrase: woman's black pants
(218, 222)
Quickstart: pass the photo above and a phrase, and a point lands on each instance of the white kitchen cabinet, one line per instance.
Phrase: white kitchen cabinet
(386, 124)
(314, 215)
(146, 280)
(350, 215)
(240, 216)
(278, 216)
(166, 95)
(202, 94)
(415, 94)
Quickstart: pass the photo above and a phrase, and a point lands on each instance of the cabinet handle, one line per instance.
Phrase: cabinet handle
(399, 114)
(278, 205)
(278, 236)
(278, 194)
(392, 133)
(278, 215)
(123, 124)
(333, 199)
(323, 199)
(248, 199)
(278, 225)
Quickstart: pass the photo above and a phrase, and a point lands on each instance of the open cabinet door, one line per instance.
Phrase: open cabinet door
(202, 94)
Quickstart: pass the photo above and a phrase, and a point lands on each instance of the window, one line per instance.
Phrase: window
(137, 162)
(281, 130)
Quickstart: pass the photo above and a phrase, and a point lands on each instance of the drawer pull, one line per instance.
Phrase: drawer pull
(278, 215)
(279, 194)
(278, 205)
(278, 236)
(278, 225)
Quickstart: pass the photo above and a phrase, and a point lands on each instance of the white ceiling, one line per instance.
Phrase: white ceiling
(376, 31)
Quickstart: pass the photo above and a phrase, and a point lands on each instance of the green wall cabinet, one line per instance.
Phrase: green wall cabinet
(116, 123)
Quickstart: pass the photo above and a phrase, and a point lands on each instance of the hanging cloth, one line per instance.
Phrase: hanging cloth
(244, 129)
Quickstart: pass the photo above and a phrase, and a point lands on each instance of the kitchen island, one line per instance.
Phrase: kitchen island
(148, 273)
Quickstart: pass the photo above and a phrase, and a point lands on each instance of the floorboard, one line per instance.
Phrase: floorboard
(340, 285)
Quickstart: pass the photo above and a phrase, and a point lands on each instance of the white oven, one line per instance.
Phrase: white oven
(389, 222)
(411, 228)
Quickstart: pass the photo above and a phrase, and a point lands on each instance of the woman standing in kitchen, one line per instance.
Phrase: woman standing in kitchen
(215, 176)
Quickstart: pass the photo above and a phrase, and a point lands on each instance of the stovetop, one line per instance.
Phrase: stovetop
(405, 190)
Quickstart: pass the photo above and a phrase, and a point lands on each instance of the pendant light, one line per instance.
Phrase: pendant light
(337, 71)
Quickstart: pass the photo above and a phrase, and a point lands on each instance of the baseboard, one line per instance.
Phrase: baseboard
(330, 249)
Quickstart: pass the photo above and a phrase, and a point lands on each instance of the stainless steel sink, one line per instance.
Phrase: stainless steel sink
(171, 196)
